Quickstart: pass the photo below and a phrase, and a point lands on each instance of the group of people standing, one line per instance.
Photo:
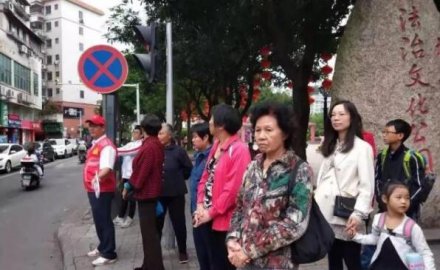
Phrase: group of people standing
(245, 213)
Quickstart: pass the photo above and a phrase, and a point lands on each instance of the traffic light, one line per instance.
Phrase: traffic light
(148, 61)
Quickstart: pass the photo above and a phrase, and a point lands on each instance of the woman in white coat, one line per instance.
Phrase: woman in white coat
(347, 171)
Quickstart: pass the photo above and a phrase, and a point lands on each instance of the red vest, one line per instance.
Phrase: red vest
(108, 183)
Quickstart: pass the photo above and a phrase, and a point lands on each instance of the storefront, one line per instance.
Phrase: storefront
(27, 130)
(14, 128)
(53, 129)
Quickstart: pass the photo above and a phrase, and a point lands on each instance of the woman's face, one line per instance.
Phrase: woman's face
(199, 143)
(164, 135)
(340, 118)
(268, 135)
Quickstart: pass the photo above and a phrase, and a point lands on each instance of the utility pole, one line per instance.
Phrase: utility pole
(138, 110)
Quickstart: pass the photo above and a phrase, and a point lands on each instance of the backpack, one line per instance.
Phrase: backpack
(318, 238)
(407, 228)
(426, 183)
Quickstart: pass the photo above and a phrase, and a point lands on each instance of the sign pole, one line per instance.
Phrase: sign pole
(169, 99)
(80, 124)
(138, 109)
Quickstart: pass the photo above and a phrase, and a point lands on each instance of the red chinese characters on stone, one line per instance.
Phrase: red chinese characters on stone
(418, 131)
(402, 20)
(416, 77)
(414, 18)
(437, 47)
(417, 106)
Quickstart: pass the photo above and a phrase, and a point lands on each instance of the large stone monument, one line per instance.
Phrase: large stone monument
(388, 64)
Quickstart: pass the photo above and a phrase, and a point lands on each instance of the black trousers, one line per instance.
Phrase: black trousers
(347, 252)
(125, 204)
(150, 237)
(176, 206)
(101, 212)
(218, 250)
(202, 244)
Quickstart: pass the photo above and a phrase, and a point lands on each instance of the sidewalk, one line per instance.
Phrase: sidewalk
(77, 236)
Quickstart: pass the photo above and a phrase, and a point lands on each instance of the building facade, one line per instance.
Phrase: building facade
(69, 28)
(20, 74)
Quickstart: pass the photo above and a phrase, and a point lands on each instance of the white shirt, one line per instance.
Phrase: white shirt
(108, 155)
(128, 152)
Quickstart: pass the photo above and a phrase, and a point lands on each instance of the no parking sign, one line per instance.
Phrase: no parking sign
(103, 69)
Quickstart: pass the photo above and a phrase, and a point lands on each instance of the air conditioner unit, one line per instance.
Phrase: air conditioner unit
(2, 91)
(23, 49)
(20, 97)
(9, 93)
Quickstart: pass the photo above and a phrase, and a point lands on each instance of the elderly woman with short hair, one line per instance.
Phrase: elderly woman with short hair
(269, 217)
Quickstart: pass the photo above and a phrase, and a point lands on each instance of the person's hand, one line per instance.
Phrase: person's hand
(124, 194)
(352, 223)
(233, 246)
(239, 259)
(202, 217)
(351, 232)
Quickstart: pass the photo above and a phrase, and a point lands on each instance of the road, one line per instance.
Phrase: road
(29, 219)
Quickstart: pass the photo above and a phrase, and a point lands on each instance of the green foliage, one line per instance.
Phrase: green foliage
(319, 121)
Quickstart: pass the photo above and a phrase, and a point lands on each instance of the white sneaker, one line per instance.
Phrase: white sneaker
(127, 222)
(103, 261)
(93, 253)
(118, 221)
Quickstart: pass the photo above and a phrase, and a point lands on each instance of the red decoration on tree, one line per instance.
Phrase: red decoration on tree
(326, 70)
(265, 51)
(326, 56)
(265, 63)
(311, 100)
(310, 89)
(266, 75)
(289, 85)
(327, 84)
(257, 83)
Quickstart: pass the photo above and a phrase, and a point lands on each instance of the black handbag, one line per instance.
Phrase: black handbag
(344, 206)
(318, 238)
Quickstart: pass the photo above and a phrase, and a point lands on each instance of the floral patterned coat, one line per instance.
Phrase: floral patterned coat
(268, 217)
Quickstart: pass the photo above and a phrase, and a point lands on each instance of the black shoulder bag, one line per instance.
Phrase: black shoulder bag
(318, 238)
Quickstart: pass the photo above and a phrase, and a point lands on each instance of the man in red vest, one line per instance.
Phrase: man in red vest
(99, 168)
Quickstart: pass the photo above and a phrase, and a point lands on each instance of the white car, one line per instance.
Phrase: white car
(10, 156)
(74, 143)
(63, 148)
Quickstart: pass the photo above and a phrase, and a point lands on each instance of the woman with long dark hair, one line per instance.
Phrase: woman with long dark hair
(345, 185)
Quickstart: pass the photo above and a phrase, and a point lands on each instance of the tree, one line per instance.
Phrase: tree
(217, 45)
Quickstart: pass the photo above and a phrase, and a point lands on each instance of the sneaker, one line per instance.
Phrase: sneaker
(103, 261)
(93, 253)
(118, 221)
(183, 258)
(127, 222)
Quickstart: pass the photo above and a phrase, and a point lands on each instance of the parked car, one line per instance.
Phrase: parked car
(63, 148)
(10, 156)
(74, 143)
(46, 149)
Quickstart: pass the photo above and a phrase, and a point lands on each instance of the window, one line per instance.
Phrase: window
(16, 148)
(35, 84)
(49, 92)
(48, 10)
(81, 47)
(57, 74)
(49, 60)
(49, 76)
(55, 7)
(55, 24)
(57, 40)
(5, 69)
(22, 77)
(48, 26)
(49, 43)
(81, 31)
(57, 91)
(81, 93)
(57, 57)
(44, 92)
(80, 14)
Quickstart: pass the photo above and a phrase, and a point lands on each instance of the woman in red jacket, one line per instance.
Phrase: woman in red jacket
(220, 182)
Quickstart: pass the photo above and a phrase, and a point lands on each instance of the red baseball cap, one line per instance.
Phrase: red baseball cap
(97, 120)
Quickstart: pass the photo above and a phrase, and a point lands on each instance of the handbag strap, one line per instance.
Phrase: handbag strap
(293, 173)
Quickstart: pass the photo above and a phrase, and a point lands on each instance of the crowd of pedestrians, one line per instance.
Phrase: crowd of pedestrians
(246, 213)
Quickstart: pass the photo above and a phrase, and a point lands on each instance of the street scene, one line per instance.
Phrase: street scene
(219, 135)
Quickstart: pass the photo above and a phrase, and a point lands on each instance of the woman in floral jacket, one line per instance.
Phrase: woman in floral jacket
(268, 216)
